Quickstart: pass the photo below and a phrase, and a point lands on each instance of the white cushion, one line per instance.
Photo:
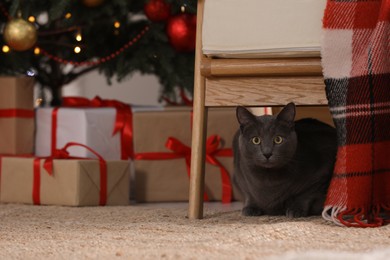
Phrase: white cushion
(262, 27)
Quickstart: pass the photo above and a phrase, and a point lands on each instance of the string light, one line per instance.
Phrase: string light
(78, 36)
(30, 73)
(5, 48)
(77, 49)
(183, 8)
(37, 51)
(31, 19)
(38, 101)
(117, 24)
(68, 15)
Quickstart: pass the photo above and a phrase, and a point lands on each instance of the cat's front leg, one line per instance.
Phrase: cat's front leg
(250, 208)
(252, 211)
(297, 209)
(305, 205)
(296, 212)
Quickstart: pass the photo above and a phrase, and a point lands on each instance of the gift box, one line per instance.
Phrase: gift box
(73, 182)
(162, 141)
(90, 126)
(16, 115)
(103, 125)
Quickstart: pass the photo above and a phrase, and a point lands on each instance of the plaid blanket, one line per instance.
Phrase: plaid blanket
(356, 65)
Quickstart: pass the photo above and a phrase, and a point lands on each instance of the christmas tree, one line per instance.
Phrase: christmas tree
(56, 41)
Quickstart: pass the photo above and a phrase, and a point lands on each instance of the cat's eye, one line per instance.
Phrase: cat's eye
(256, 140)
(278, 139)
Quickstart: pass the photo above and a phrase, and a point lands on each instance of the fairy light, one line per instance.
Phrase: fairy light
(68, 15)
(37, 51)
(77, 49)
(78, 36)
(117, 24)
(38, 101)
(183, 8)
(31, 19)
(5, 48)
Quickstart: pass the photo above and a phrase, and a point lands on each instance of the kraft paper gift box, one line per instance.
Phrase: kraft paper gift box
(166, 180)
(73, 183)
(90, 126)
(16, 115)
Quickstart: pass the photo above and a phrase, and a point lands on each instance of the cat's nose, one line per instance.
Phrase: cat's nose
(267, 155)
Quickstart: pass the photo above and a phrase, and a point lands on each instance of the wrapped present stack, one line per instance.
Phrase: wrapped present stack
(91, 145)
(147, 136)
(70, 174)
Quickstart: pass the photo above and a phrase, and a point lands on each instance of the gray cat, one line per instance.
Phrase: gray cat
(282, 166)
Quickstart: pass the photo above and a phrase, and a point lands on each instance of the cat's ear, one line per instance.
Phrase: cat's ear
(244, 116)
(288, 113)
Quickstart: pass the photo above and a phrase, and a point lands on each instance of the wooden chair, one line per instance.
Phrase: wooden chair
(247, 82)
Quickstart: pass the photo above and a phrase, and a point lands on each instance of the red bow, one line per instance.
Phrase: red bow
(123, 121)
(182, 151)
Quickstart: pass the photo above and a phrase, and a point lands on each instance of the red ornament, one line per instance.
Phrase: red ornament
(157, 10)
(181, 30)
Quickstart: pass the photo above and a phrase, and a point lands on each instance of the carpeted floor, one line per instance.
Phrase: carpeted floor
(161, 231)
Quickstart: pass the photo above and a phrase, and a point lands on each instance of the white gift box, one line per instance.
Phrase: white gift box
(89, 126)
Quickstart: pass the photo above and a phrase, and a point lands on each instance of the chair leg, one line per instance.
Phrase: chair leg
(199, 131)
(199, 127)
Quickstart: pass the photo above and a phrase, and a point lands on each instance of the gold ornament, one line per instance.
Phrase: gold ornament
(92, 3)
(19, 34)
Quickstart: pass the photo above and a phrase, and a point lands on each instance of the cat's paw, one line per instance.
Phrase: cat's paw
(252, 211)
(296, 213)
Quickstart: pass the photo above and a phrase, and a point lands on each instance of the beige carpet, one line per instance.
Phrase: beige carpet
(161, 231)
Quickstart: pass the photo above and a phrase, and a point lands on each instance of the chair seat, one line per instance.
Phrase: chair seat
(262, 28)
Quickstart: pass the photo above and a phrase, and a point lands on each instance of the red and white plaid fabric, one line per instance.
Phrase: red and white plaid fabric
(356, 65)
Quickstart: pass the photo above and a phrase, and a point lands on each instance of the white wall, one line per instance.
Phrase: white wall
(138, 89)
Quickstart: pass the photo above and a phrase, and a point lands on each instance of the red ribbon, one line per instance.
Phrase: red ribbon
(212, 152)
(64, 154)
(36, 192)
(24, 113)
(54, 115)
(182, 151)
(123, 121)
